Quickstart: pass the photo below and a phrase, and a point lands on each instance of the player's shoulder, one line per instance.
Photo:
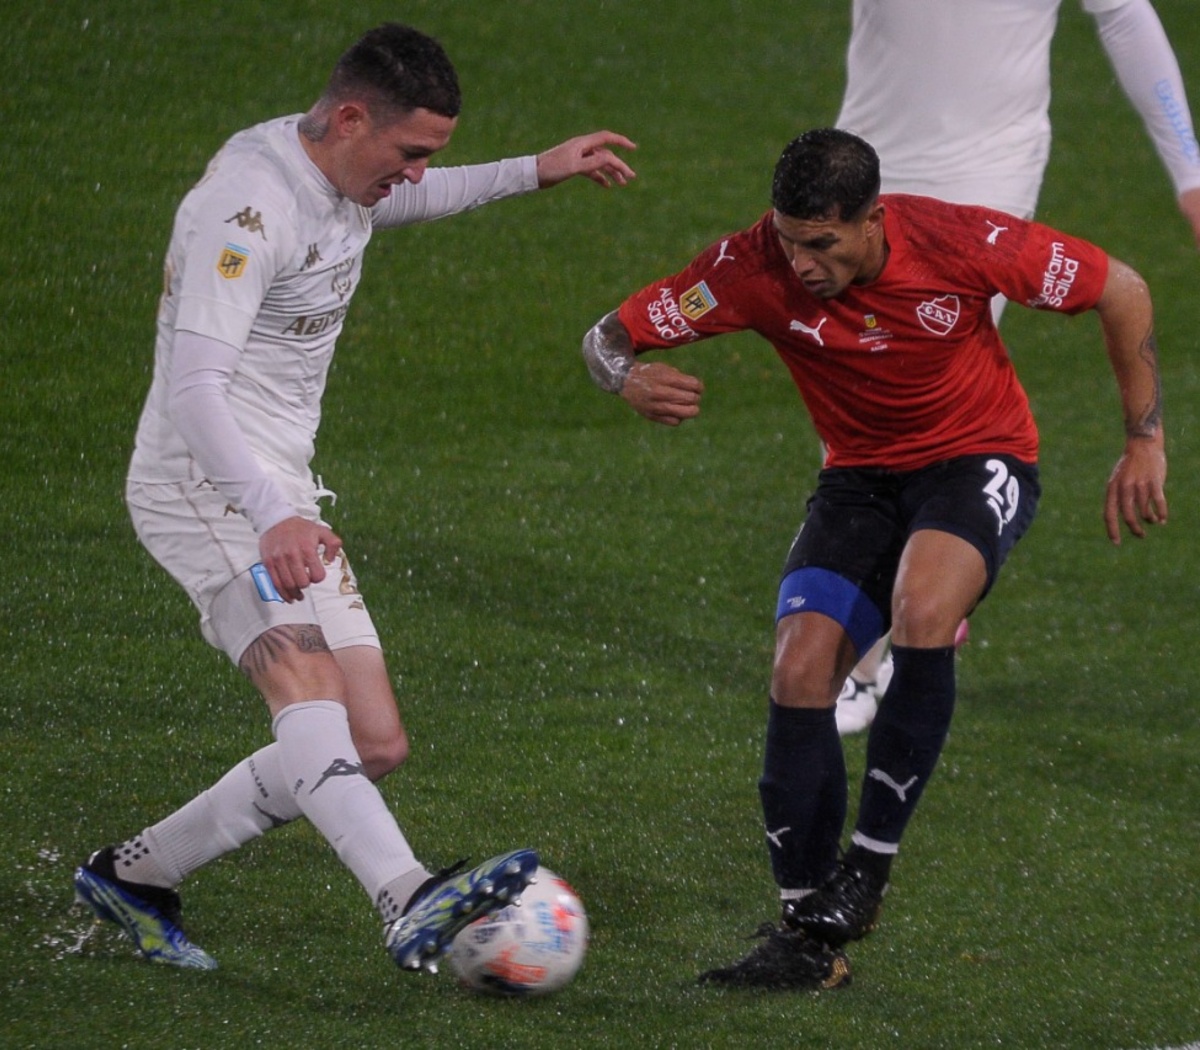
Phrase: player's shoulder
(254, 160)
(936, 227)
(746, 255)
(251, 182)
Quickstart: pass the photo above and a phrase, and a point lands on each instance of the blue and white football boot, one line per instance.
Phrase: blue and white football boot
(447, 903)
(149, 915)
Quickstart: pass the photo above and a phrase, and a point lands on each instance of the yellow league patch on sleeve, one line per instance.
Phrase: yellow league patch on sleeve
(697, 301)
(233, 260)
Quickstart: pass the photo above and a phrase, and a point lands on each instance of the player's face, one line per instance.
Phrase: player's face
(829, 255)
(375, 156)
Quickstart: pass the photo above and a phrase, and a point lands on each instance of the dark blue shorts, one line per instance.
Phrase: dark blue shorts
(843, 561)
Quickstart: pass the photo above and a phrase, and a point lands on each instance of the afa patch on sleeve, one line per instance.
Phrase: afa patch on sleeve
(233, 260)
(697, 301)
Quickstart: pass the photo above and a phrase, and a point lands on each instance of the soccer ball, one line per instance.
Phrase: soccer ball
(532, 948)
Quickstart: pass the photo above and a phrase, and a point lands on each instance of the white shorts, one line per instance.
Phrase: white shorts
(209, 549)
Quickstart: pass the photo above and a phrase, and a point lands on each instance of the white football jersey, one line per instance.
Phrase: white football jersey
(954, 95)
(265, 257)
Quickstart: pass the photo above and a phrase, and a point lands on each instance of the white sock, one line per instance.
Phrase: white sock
(250, 799)
(867, 669)
(392, 898)
(326, 779)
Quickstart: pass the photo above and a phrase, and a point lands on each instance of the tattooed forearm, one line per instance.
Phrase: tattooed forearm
(271, 646)
(1147, 422)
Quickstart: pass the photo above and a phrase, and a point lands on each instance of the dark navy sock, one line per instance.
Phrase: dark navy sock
(905, 743)
(803, 793)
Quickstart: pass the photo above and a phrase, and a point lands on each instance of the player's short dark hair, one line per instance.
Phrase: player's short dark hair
(826, 173)
(394, 67)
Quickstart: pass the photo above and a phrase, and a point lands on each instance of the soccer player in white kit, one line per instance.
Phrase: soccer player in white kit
(955, 97)
(263, 262)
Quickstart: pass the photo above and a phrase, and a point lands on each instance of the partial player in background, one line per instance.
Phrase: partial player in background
(955, 97)
(265, 257)
(923, 495)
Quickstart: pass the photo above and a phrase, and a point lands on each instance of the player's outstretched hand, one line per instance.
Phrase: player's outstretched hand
(1136, 492)
(295, 553)
(662, 393)
(587, 155)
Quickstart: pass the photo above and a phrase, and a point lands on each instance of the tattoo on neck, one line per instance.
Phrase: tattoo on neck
(313, 128)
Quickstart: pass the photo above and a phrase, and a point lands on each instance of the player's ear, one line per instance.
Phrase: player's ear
(874, 217)
(348, 118)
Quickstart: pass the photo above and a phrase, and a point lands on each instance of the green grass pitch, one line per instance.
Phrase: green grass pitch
(577, 605)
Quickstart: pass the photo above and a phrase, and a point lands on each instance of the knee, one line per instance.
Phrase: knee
(382, 754)
(797, 681)
(923, 621)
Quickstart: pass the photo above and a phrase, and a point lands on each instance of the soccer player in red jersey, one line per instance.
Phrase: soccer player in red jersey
(882, 303)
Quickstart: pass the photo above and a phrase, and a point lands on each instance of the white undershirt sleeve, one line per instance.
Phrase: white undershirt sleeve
(198, 402)
(448, 191)
(1148, 70)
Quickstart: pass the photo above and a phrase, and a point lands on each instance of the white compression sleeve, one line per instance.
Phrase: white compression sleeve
(1148, 70)
(448, 191)
(200, 374)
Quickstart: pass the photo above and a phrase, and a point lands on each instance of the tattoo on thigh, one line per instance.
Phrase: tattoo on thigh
(271, 646)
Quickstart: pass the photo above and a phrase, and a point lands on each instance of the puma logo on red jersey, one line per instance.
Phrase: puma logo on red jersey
(800, 326)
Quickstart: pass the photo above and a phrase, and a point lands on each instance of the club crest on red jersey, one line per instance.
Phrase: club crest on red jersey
(939, 315)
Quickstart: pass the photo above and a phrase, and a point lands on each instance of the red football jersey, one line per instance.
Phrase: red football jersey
(909, 369)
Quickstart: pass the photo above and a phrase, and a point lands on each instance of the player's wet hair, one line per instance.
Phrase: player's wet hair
(825, 174)
(395, 68)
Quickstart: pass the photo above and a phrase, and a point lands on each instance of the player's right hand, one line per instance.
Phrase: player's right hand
(295, 553)
(1136, 489)
(662, 393)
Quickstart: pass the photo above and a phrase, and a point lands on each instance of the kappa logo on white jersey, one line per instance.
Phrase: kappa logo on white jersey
(249, 220)
(312, 258)
(800, 326)
(996, 231)
(939, 315)
(723, 255)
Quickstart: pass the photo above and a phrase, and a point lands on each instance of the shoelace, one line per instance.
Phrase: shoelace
(433, 881)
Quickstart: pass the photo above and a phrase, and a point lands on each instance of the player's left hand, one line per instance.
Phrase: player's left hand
(1135, 492)
(587, 155)
(295, 553)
